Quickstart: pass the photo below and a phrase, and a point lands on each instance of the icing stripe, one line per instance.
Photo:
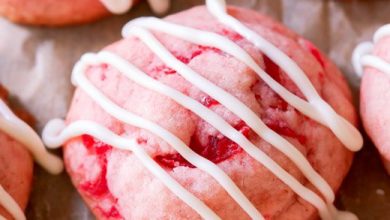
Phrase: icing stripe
(57, 133)
(382, 32)
(362, 57)
(10, 205)
(343, 129)
(376, 62)
(361, 50)
(23, 133)
(203, 164)
(232, 103)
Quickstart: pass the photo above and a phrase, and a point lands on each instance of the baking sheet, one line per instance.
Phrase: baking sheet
(35, 65)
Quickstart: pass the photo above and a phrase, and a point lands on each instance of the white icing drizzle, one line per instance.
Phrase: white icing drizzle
(382, 32)
(122, 6)
(79, 79)
(342, 215)
(11, 125)
(10, 205)
(229, 101)
(345, 131)
(362, 55)
(56, 133)
(23, 133)
(316, 108)
(224, 44)
(237, 107)
(241, 110)
(222, 126)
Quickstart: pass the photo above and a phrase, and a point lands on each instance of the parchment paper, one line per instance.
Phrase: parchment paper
(35, 65)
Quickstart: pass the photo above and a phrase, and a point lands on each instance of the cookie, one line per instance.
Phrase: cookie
(372, 61)
(197, 116)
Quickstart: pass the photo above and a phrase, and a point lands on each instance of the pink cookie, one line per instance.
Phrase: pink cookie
(375, 101)
(16, 166)
(116, 185)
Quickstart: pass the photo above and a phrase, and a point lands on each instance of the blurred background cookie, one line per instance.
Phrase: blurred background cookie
(68, 12)
(19, 144)
(16, 165)
(372, 61)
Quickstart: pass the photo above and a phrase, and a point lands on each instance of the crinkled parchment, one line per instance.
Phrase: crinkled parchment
(35, 65)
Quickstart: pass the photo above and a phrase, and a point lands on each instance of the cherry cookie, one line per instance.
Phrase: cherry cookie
(216, 113)
(58, 13)
(372, 62)
(16, 162)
